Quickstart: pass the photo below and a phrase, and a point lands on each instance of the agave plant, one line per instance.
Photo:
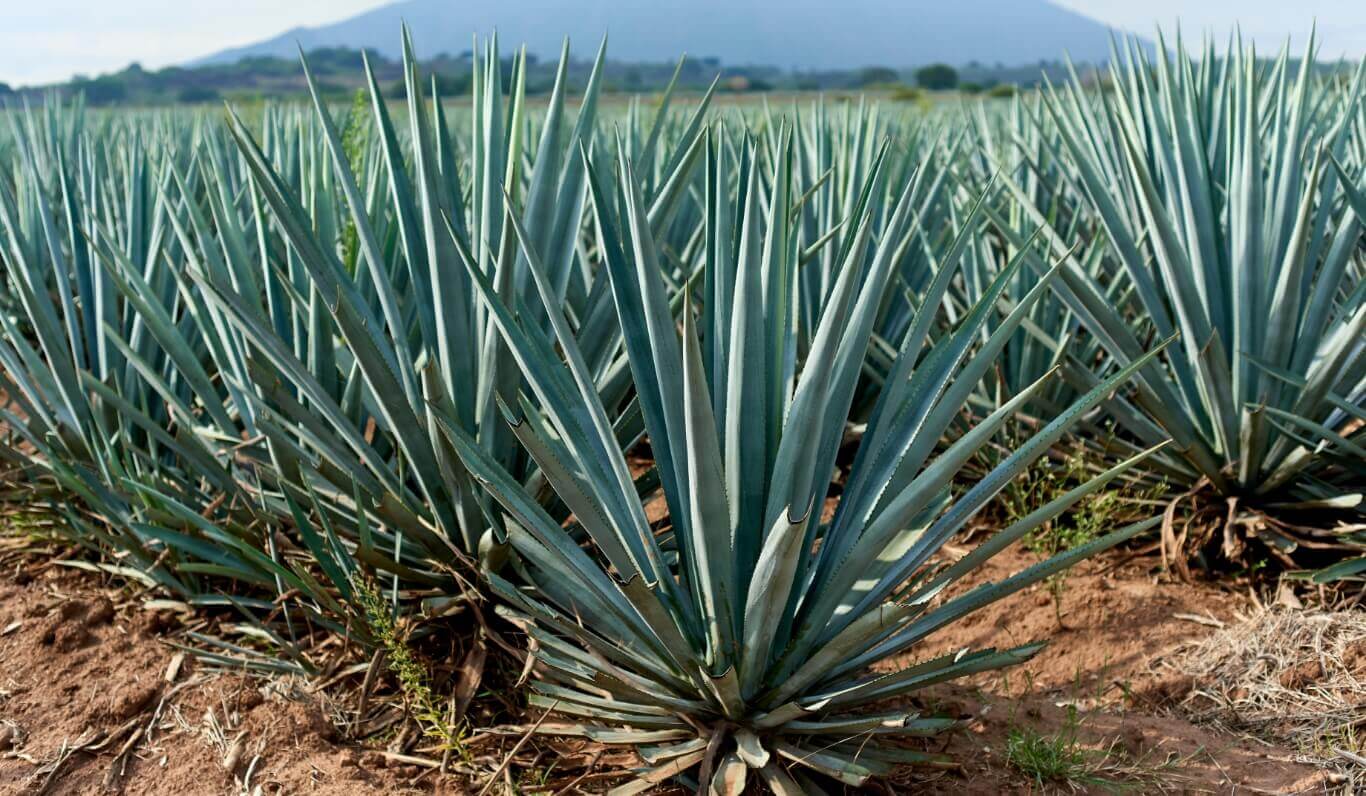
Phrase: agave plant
(737, 636)
(1009, 141)
(208, 328)
(834, 154)
(106, 364)
(414, 338)
(1223, 190)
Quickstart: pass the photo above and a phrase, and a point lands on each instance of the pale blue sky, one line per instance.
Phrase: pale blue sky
(47, 40)
(1341, 23)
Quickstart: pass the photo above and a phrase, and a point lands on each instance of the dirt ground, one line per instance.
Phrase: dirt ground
(1105, 676)
(95, 699)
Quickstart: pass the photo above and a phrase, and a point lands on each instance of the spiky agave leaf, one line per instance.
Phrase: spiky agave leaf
(744, 631)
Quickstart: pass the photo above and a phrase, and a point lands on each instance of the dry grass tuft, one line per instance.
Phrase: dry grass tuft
(1296, 676)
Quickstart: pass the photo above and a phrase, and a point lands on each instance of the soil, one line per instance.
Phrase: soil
(1113, 622)
(94, 698)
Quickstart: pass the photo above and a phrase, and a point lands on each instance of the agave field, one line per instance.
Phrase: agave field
(687, 399)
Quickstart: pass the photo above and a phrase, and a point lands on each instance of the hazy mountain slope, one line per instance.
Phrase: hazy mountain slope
(801, 34)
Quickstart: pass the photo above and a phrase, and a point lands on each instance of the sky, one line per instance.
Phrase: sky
(1341, 23)
(43, 41)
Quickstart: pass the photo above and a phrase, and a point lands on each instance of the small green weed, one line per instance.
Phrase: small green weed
(421, 703)
(353, 144)
(1093, 517)
(1058, 759)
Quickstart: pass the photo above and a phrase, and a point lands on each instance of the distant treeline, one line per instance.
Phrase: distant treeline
(338, 72)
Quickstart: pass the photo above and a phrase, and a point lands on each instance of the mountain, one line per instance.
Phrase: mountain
(792, 34)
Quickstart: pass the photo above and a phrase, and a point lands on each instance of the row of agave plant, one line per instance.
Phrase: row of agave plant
(268, 363)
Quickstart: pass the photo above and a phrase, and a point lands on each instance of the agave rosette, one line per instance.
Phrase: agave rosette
(412, 337)
(736, 636)
(235, 317)
(1223, 192)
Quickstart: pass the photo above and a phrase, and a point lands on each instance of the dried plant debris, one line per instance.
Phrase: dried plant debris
(1290, 675)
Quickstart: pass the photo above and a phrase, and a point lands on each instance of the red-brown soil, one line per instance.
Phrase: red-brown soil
(93, 699)
(1112, 624)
